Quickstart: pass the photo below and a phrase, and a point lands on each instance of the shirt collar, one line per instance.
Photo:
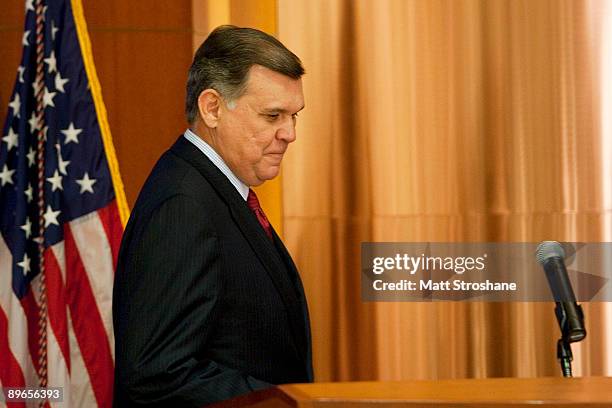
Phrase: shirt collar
(214, 157)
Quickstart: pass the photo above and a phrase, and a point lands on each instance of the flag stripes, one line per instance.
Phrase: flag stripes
(78, 342)
(88, 327)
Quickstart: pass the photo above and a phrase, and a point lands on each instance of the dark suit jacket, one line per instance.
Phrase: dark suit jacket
(205, 306)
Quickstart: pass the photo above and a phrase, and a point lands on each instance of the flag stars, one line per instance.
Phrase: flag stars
(24, 40)
(27, 228)
(20, 72)
(34, 123)
(28, 192)
(51, 62)
(11, 139)
(60, 82)
(50, 216)
(6, 176)
(54, 30)
(48, 98)
(86, 183)
(16, 105)
(31, 157)
(29, 5)
(56, 181)
(71, 134)
(61, 163)
(25, 264)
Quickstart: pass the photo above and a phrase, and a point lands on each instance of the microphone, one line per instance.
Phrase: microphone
(550, 255)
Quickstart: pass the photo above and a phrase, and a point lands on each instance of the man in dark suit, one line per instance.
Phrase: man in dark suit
(207, 302)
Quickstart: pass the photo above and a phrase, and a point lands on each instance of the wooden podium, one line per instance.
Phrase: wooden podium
(486, 393)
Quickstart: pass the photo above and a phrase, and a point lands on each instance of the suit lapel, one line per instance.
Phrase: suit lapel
(255, 235)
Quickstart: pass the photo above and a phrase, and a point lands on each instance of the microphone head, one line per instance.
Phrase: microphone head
(548, 250)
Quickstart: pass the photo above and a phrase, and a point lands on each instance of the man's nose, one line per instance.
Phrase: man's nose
(287, 131)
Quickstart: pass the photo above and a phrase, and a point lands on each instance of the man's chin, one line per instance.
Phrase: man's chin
(268, 174)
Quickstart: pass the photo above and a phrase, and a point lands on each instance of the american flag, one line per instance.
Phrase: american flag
(61, 211)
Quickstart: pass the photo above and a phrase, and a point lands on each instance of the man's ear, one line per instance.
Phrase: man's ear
(209, 105)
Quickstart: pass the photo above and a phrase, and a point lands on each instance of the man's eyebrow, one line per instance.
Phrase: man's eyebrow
(280, 110)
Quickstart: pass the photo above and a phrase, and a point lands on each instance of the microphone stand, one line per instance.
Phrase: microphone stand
(564, 348)
(550, 255)
(564, 354)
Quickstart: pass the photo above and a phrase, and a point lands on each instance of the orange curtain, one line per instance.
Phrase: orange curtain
(445, 120)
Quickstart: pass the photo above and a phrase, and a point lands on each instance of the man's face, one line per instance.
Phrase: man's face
(255, 130)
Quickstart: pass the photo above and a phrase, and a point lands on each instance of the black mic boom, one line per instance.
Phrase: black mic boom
(550, 255)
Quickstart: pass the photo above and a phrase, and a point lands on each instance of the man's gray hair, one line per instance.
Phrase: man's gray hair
(223, 61)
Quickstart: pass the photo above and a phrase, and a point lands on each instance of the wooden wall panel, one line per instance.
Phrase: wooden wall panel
(11, 33)
(142, 51)
(139, 15)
